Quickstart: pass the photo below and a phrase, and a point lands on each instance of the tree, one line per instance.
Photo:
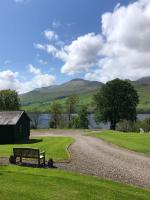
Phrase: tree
(71, 103)
(35, 117)
(83, 117)
(56, 115)
(116, 100)
(75, 122)
(9, 100)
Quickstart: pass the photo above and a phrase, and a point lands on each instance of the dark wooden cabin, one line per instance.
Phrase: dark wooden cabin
(14, 127)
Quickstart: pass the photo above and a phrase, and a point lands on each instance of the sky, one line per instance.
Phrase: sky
(48, 42)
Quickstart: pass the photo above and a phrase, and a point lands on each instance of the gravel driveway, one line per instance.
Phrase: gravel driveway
(93, 156)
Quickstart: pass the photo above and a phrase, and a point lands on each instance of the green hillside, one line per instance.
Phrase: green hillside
(75, 86)
(144, 94)
(40, 99)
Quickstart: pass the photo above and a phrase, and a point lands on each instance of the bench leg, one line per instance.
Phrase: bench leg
(20, 159)
(44, 160)
(39, 162)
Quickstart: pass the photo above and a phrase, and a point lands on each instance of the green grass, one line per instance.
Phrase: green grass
(54, 147)
(132, 141)
(44, 184)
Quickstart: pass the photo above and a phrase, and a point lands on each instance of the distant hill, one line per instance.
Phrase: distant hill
(40, 99)
(145, 80)
(45, 94)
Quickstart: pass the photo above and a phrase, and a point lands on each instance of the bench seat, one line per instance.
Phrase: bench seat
(29, 153)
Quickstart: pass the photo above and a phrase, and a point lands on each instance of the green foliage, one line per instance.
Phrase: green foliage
(117, 100)
(74, 122)
(133, 141)
(71, 103)
(83, 117)
(9, 100)
(34, 116)
(145, 124)
(42, 102)
(54, 147)
(128, 126)
(44, 184)
(56, 115)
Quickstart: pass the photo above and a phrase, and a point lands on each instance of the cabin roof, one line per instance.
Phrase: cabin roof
(10, 117)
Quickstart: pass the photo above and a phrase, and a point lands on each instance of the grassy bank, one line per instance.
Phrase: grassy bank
(44, 184)
(132, 141)
(54, 147)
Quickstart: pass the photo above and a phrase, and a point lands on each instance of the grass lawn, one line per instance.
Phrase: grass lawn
(54, 147)
(132, 141)
(45, 184)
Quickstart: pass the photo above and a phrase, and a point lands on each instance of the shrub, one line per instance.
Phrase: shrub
(145, 124)
(128, 126)
(83, 117)
(74, 122)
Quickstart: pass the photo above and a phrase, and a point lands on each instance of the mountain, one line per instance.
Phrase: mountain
(46, 94)
(40, 99)
(144, 80)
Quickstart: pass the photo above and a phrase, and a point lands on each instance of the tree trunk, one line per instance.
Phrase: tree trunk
(113, 125)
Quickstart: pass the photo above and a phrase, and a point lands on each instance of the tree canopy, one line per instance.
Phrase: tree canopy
(9, 100)
(71, 103)
(115, 101)
(56, 115)
(83, 117)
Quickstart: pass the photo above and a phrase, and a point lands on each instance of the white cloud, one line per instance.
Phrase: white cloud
(38, 81)
(11, 80)
(81, 54)
(50, 49)
(126, 51)
(50, 35)
(39, 46)
(56, 24)
(8, 79)
(121, 50)
(41, 61)
(34, 70)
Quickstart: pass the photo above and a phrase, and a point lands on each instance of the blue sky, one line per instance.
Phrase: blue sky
(44, 42)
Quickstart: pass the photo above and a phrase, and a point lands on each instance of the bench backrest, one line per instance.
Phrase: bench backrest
(26, 152)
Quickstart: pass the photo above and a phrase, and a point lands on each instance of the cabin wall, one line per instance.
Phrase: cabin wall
(22, 130)
(7, 133)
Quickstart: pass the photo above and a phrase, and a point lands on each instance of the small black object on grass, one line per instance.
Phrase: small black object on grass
(12, 159)
(50, 163)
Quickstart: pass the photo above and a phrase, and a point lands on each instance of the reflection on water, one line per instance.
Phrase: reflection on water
(44, 118)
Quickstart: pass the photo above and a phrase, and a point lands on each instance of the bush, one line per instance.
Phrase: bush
(60, 125)
(145, 124)
(74, 122)
(83, 117)
(128, 126)
(51, 124)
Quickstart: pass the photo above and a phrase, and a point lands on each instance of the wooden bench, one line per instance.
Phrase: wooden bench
(29, 153)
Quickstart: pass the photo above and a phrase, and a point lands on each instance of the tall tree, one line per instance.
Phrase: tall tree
(35, 119)
(56, 114)
(83, 117)
(116, 100)
(9, 100)
(71, 103)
